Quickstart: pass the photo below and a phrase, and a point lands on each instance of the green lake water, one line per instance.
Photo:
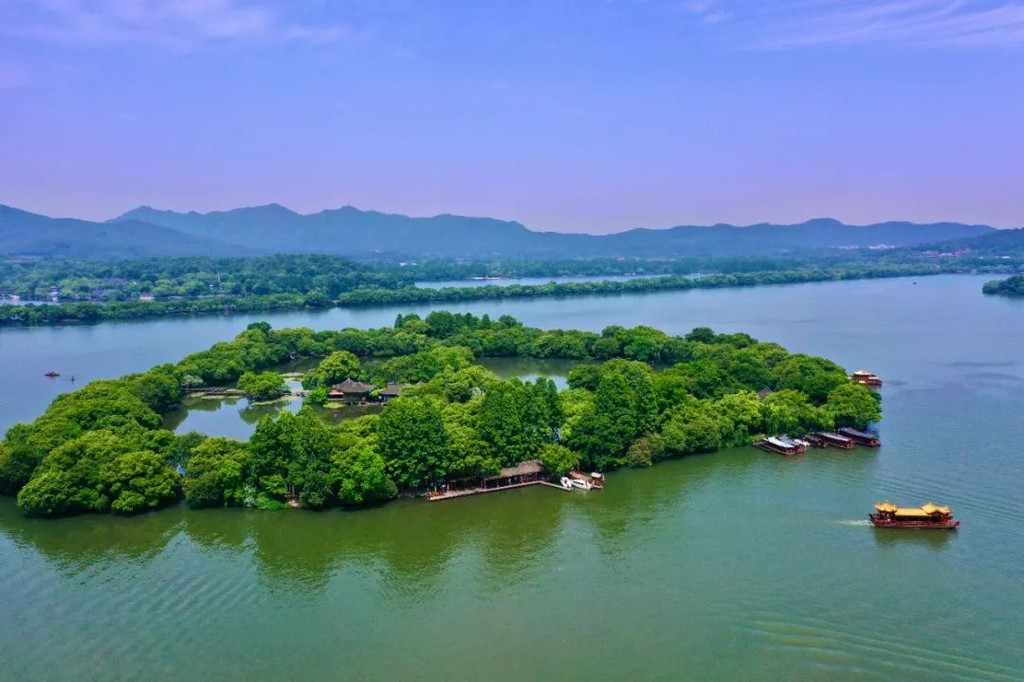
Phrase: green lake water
(737, 565)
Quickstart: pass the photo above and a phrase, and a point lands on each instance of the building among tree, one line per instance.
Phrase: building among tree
(350, 391)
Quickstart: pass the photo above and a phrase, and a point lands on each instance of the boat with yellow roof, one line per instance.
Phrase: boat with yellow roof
(928, 516)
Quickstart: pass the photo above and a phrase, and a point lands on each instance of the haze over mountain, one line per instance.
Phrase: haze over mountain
(349, 231)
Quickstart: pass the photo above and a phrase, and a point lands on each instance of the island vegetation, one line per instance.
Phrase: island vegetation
(1011, 286)
(640, 396)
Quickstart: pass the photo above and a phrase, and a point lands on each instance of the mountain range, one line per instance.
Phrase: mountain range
(348, 231)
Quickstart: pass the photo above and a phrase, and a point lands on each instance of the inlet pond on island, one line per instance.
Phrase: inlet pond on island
(737, 565)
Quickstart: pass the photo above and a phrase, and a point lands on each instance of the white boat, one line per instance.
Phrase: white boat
(582, 485)
(566, 483)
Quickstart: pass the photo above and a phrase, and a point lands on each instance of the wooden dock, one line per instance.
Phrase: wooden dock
(466, 492)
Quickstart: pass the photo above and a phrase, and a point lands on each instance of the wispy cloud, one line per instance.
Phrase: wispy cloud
(180, 23)
(911, 23)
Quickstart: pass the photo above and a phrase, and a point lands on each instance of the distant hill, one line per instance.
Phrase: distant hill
(348, 231)
(996, 243)
(30, 234)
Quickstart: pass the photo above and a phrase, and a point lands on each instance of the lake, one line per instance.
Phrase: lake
(737, 565)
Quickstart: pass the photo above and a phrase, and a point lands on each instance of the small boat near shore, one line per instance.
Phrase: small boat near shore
(582, 481)
(926, 517)
(866, 378)
(52, 373)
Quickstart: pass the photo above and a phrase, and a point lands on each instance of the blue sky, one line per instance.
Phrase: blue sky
(567, 115)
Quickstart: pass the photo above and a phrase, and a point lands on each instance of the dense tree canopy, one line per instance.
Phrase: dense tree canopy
(1011, 286)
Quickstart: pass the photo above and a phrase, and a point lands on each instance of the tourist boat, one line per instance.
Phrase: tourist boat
(814, 440)
(52, 373)
(835, 440)
(929, 516)
(860, 437)
(782, 445)
(866, 378)
(580, 483)
(597, 480)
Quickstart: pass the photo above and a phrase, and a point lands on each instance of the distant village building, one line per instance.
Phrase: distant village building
(764, 393)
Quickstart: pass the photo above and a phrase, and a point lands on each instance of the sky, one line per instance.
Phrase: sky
(568, 115)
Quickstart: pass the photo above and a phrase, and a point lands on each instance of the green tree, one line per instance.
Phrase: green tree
(558, 459)
(853, 405)
(216, 473)
(692, 426)
(359, 476)
(139, 481)
(265, 386)
(333, 369)
(412, 439)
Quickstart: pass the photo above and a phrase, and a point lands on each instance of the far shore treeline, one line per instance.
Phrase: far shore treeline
(321, 282)
(102, 448)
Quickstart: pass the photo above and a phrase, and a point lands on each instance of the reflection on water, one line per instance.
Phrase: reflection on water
(898, 538)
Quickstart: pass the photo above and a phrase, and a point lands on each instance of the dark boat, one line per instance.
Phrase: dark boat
(815, 440)
(834, 440)
(860, 437)
(52, 373)
(927, 517)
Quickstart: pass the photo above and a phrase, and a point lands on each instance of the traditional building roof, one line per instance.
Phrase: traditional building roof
(764, 393)
(932, 508)
(885, 506)
(392, 389)
(530, 466)
(349, 386)
(915, 512)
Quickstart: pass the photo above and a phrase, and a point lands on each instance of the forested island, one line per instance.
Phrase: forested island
(1011, 286)
(637, 396)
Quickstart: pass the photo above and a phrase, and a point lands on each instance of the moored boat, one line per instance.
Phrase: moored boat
(583, 481)
(782, 445)
(926, 517)
(835, 440)
(867, 378)
(860, 437)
